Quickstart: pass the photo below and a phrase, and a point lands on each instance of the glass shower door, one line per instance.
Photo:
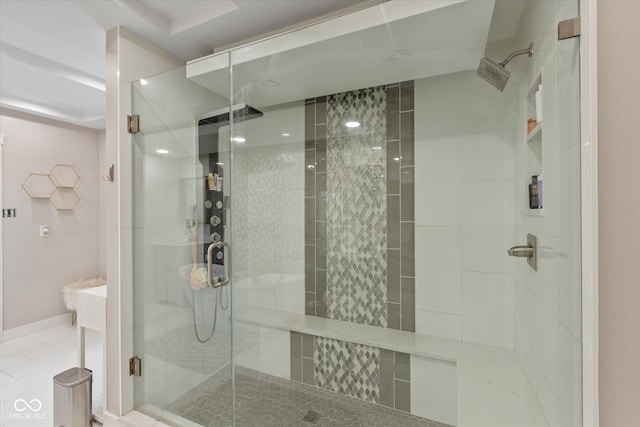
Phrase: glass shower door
(181, 313)
(375, 199)
(377, 183)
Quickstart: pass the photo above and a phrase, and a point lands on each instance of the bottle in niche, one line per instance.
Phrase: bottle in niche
(533, 193)
(539, 185)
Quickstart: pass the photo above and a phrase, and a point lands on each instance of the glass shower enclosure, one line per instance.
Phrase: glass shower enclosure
(322, 222)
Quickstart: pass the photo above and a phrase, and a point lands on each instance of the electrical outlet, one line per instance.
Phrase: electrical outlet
(44, 231)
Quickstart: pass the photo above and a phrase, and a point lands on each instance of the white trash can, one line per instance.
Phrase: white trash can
(72, 398)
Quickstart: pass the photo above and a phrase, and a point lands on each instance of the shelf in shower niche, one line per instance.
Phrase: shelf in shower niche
(535, 134)
(533, 212)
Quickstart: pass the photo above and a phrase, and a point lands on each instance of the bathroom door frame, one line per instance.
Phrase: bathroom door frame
(589, 211)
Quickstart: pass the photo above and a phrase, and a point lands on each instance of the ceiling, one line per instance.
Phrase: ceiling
(52, 52)
(401, 41)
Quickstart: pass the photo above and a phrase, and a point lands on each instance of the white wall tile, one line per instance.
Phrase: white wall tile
(487, 226)
(434, 389)
(290, 293)
(569, 380)
(438, 101)
(439, 324)
(437, 180)
(437, 150)
(570, 243)
(548, 402)
(486, 155)
(262, 298)
(438, 269)
(487, 309)
(249, 356)
(275, 352)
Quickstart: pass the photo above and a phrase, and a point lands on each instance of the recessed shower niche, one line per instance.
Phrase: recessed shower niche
(533, 142)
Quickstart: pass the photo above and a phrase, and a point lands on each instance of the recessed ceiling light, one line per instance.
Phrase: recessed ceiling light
(286, 134)
(219, 163)
(162, 151)
(352, 124)
(376, 148)
(238, 139)
(269, 83)
(143, 82)
(397, 159)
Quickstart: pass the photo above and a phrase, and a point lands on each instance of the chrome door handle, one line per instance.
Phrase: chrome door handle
(227, 261)
(528, 251)
(521, 251)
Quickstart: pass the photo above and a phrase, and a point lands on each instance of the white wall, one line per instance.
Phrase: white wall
(36, 268)
(465, 163)
(619, 210)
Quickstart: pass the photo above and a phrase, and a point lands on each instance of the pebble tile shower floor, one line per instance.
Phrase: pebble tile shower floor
(263, 400)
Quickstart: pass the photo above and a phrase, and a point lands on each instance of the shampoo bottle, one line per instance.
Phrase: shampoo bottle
(538, 100)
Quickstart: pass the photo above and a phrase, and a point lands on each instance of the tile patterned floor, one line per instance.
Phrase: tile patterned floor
(263, 400)
(27, 368)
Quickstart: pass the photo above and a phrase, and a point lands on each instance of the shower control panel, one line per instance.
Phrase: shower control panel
(212, 189)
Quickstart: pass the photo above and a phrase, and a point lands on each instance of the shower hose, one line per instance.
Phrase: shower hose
(220, 295)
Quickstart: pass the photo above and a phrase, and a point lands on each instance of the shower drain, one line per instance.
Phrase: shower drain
(311, 417)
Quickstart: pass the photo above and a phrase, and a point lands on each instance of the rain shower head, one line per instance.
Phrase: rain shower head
(494, 73)
(497, 74)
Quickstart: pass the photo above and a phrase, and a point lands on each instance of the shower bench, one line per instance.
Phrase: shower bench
(455, 382)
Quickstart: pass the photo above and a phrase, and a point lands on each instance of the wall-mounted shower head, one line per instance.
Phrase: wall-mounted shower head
(497, 74)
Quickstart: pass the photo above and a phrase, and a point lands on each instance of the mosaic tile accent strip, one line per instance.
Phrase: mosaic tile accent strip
(359, 207)
(364, 372)
(347, 368)
(262, 400)
(356, 207)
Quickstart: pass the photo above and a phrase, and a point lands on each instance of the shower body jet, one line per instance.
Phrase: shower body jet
(496, 73)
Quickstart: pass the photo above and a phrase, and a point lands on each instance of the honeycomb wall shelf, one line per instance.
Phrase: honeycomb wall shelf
(58, 186)
(39, 186)
(65, 176)
(65, 198)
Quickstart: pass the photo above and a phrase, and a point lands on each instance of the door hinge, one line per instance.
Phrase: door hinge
(135, 366)
(569, 28)
(133, 123)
